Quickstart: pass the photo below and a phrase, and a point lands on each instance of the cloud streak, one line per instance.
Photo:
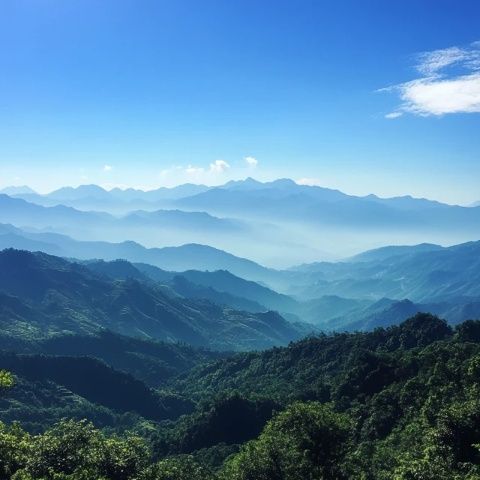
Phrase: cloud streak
(308, 181)
(251, 162)
(450, 84)
(191, 170)
(213, 173)
(219, 166)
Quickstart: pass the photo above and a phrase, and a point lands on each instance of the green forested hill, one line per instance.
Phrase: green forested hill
(398, 403)
(394, 403)
(59, 386)
(312, 367)
(152, 362)
(107, 378)
(44, 295)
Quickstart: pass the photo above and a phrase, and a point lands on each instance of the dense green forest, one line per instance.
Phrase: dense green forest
(401, 403)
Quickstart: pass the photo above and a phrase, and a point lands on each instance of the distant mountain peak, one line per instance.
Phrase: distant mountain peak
(73, 193)
(18, 190)
(91, 187)
(284, 182)
(393, 250)
(248, 184)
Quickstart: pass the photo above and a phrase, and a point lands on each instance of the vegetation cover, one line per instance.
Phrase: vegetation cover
(399, 403)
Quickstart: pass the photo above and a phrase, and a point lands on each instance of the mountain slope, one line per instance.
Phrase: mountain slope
(284, 199)
(68, 297)
(429, 275)
(382, 253)
(197, 284)
(306, 368)
(184, 257)
(224, 281)
(65, 219)
(92, 380)
(154, 363)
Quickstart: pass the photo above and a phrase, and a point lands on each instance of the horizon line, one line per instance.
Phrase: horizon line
(300, 182)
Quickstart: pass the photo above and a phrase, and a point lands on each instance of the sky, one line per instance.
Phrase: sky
(367, 97)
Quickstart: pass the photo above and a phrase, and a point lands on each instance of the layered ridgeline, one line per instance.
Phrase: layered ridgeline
(164, 227)
(396, 403)
(81, 339)
(376, 288)
(280, 199)
(393, 283)
(250, 218)
(43, 296)
(185, 257)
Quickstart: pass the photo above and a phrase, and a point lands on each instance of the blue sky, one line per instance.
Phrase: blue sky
(370, 96)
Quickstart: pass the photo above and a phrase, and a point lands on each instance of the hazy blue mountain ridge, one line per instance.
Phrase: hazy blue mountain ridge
(63, 297)
(250, 218)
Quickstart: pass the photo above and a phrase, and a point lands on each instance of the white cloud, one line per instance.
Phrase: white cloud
(178, 174)
(219, 166)
(393, 115)
(107, 168)
(171, 170)
(191, 170)
(451, 83)
(251, 162)
(430, 63)
(439, 97)
(311, 182)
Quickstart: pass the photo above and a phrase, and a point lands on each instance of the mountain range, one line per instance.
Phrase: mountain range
(250, 218)
(359, 295)
(44, 296)
(420, 273)
(331, 295)
(275, 222)
(184, 257)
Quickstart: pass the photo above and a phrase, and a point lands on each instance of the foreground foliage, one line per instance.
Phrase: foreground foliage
(401, 403)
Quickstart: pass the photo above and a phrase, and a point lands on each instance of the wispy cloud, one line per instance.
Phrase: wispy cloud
(429, 63)
(191, 170)
(393, 114)
(215, 172)
(311, 182)
(107, 168)
(219, 166)
(450, 83)
(251, 162)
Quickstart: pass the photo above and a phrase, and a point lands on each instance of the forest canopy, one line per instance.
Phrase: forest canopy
(399, 403)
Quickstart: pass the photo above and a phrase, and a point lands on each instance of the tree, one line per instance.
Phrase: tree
(6, 379)
(78, 451)
(14, 449)
(307, 441)
(182, 467)
(67, 447)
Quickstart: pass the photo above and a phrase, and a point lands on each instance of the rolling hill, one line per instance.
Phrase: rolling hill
(45, 295)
